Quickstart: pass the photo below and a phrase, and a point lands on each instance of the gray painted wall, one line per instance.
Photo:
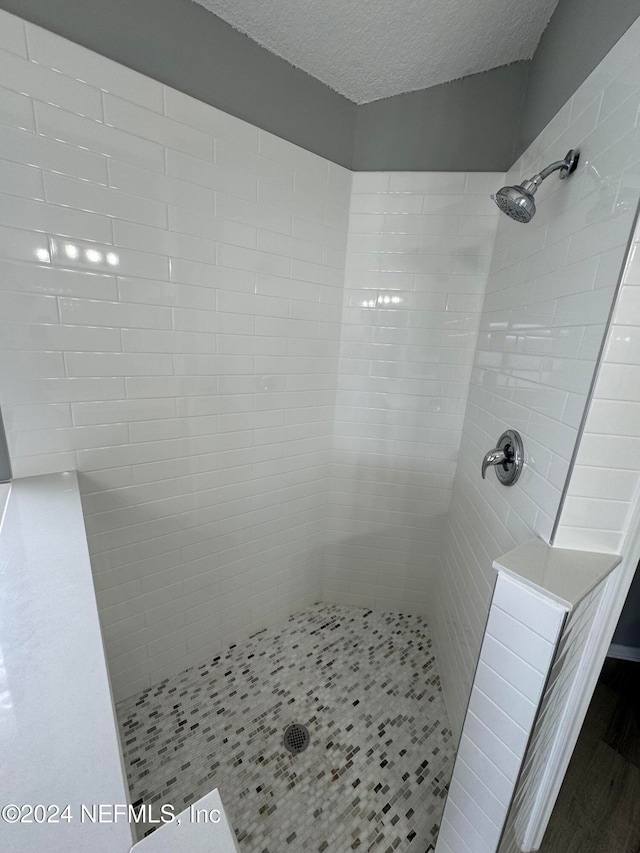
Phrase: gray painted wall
(188, 48)
(482, 122)
(183, 45)
(470, 124)
(485, 121)
(579, 35)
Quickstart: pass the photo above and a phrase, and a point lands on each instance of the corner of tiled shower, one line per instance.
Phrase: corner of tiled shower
(417, 260)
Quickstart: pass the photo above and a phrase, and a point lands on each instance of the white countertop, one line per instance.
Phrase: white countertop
(563, 575)
(58, 738)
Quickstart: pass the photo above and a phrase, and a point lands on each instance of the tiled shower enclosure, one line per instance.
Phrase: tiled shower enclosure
(276, 380)
(177, 322)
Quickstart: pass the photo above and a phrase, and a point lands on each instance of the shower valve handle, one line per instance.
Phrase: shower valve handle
(493, 457)
(507, 458)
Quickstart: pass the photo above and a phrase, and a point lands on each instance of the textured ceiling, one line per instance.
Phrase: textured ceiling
(371, 49)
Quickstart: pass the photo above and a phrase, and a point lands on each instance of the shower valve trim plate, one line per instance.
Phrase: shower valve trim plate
(507, 458)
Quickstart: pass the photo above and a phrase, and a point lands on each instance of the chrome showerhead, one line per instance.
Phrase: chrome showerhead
(518, 202)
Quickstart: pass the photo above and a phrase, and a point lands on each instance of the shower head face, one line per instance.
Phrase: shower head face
(516, 202)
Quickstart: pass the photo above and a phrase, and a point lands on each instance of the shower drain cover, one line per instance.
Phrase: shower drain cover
(296, 738)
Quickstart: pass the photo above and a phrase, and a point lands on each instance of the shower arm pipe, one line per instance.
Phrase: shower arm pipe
(549, 170)
(564, 166)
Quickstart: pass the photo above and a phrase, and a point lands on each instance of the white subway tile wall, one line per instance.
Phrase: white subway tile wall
(548, 294)
(419, 246)
(515, 662)
(524, 828)
(606, 477)
(171, 290)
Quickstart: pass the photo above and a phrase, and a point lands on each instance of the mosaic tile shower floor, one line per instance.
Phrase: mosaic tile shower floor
(366, 685)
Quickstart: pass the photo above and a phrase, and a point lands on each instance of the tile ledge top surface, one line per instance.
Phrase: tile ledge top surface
(565, 576)
(58, 734)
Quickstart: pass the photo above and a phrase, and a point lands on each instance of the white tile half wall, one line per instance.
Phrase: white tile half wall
(417, 260)
(548, 297)
(171, 287)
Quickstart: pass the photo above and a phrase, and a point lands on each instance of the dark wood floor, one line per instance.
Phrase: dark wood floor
(598, 810)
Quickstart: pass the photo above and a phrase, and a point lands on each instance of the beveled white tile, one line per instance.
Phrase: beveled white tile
(99, 412)
(206, 275)
(386, 203)
(32, 364)
(144, 340)
(243, 160)
(616, 382)
(253, 261)
(118, 364)
(162, 188)
(580, 512)
(157, 241)
(165, 293)
(189, 320)
(88, 312)
(21, 147)
(38, 464)
(39, 216)
(313, 168)
(104, 200)
(171, 386)
(52, 441)
(26, 307)
(21, 181)
(142, 264)
(68, 390)
(211, 175)
(483, 183)
(426, 183)
(149, 125)
(16, 110)
(100, 138)
(77, 62)
(32, 79)
(59, 337)
(370, 182)
(52, 415)
(211, 227)
(212, 121)
(12, 34)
